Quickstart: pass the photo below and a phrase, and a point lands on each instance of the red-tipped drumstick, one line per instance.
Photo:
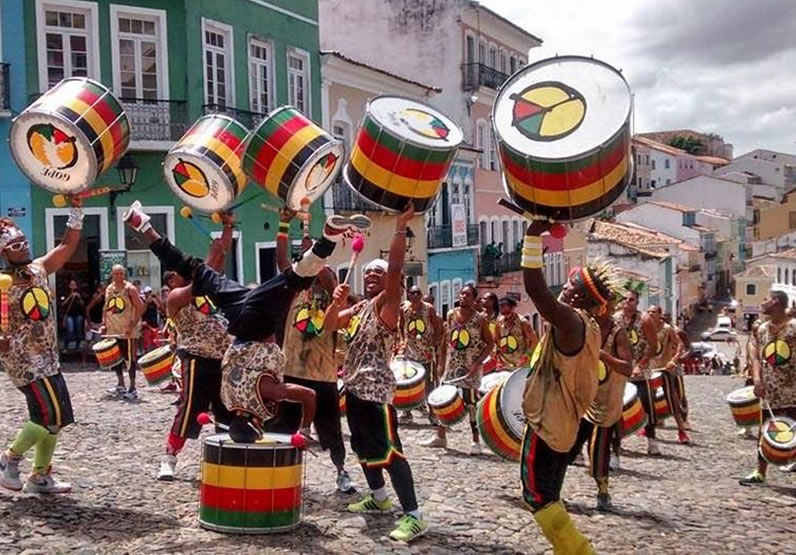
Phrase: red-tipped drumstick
(357, 246)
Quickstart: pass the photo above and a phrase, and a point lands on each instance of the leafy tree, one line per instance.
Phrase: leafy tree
(691, 145)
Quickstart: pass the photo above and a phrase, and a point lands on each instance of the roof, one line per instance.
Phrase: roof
(714, 212)
(338, 54)
(508, 22)
(662, 147)
(700, 176)
(789, 254)
(633, 235)
(716, 160)
(632, 275)
(762, 271)
(672, 205)
(702, 228)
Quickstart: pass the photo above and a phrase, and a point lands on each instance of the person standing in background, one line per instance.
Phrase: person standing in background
(122, 313)
(72, 309)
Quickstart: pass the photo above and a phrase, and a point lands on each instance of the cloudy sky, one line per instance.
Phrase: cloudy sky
(722, 66)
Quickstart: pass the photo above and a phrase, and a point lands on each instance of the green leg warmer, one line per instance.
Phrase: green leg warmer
(44, 453)
(30, 434)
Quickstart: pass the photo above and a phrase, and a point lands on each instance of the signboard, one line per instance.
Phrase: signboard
(458, 226)
(107, 260)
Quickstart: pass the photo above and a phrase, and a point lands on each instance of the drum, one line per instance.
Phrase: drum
(633, 416)
(70, 136)
(745, 407)
(402, 153)
(156, 365)
(251, 488)
(662, 409)
(500, 418)
(563, 136)
(447, 405)
(204, 167)
(292, 158)
(341, 396)
(656, 381)
(778, 440)
(410, 379)
(108, 353)
(491, 381)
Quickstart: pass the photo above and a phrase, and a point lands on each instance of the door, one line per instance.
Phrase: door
(266, 263)
(83, 267)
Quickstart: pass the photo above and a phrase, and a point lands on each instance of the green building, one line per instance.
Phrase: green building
(170, 62)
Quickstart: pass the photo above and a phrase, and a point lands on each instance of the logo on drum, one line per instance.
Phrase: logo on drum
(35, 304)
(424, 123)
(776, 353)
(52, 147)
(321, 171)
(190, 179)
(548, 111)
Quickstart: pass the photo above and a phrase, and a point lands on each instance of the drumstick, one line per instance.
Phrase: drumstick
(557, 230)
(277, 210)
(357, 245)
(240, 203)
(59, 201)
(5, 284)
(187, 213)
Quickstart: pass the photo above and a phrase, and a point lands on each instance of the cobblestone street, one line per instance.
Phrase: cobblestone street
(687, 501)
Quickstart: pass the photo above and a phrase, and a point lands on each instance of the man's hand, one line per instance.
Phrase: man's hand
(76, 201)
(405, 217)
(227, 218)
(537, 227)
(286, 214)
(341, 293)
(760, 389)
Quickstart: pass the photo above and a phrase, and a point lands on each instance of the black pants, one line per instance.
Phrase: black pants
(647, 398)
(599, 441)
(375, 440)
(542, 471)
(674, 395)
(49, 403)
(201, 391)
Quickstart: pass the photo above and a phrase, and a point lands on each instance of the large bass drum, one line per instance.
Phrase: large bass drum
(563, 133)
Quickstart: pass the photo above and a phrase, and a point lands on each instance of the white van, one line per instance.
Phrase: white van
(724, 323)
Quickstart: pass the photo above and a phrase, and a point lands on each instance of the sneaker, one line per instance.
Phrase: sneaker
(45, 483)
(475, 448)
(170, 387)
(406, 417)
(370, 505)
(752, 479)
(604, 502)
(788, 467)
(167, 465)
(683, 438)
(435, 441)
(642, 433)
(613, 462)
(131, 395)
(176, 402)
(344, 483)
(652, 448)
(579, 461)
(742, 432)
(337, 227)
(409, 528)
(136, 218)
(117, 390)
(9, 471)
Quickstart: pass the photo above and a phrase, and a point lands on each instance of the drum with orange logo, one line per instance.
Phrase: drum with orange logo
(204, 167)
(70, 136)
(402, 153)
(563, 133)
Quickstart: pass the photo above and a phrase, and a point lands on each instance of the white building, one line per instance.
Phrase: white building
(662, 168)
(785, 277)
(704, 191)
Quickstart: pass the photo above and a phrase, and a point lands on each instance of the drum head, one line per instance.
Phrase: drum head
(442, 395)
(154, 354)
(407, 372)
(631, 391)
(317, 174)
(562, 107)
(103, 344)
(742, 395)
(415, 122)
(511, 401)
(52, 152)
(197, 181)
(781, 431)
(491, 381)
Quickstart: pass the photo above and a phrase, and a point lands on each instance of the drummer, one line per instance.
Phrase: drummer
(774, 369)
(666, 362)
(750, 355)
(122, 314)
(468, 343)
(515, 339)
(683, 352)
(29, 353)
(421, 331)
(562, 385)
(201, 341)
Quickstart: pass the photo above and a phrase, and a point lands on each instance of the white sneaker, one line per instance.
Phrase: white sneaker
(613, 462)
(131, 395)
(788, 467)
(167, 465)
(579, 460)
(344, 483)
(652, 448)
(117, 390)
(475, 448)
(136, 218)
(45, 483)
(435, 441)
(9, 471)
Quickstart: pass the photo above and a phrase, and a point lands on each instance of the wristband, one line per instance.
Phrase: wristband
(284, 227)
(75, 220)
(531, 252)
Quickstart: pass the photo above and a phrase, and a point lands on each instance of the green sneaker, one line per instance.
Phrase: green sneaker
(754, 478)
(370, 505)
(409, 528)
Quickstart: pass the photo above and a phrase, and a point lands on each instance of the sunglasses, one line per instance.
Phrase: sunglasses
(18, 246)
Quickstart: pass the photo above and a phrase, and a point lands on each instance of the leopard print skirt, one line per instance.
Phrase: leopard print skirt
(241, 369)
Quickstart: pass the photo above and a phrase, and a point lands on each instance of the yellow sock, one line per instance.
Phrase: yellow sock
(558, 528)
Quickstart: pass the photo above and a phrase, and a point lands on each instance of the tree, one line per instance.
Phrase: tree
(691, 145)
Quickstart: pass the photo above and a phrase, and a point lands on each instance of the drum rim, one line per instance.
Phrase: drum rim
(324, 150)
(367, 113)
(109, 340)
(456, 389)
(502, 395)
(74, 130)
(164, 349)
(185, 200)
(747, 399)
(635, 393)
(366, 199)
(214, 439)
(572, 58)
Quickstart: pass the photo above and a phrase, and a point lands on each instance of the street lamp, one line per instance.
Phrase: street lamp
(128, 173)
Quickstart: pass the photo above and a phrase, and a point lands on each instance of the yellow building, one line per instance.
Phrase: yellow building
(773, 219)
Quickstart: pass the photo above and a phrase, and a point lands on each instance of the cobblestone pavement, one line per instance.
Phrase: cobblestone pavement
(687, 501)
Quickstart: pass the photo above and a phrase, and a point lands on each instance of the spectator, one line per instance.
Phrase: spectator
(164, 293)
(149, 320)
(499, 252)
(94, 308)
(73, 307)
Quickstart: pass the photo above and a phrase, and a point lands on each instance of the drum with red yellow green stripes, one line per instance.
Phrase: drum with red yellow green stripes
(156, 365)
(402, 154)
(70, 136)
(563, 133)
(204, 167)
(292, 158)
(251, 488)
(500, 418)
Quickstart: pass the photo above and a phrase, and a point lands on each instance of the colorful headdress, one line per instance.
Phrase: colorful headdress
(8, 232)
(599, 280)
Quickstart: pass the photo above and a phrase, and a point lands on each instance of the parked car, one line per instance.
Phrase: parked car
(719, 334)
(701, 350)
(724, 322)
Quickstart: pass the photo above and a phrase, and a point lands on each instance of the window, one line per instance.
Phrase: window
(341, 131)
(457, 288)
(793, 278)
(513, 63)
(445, 298)
(652, 183)
(469, 50)
(467, 199)
(502, 61)
(496, 238)
(792, 219)
(785, 281)
(515, 236)
(653, 163)
(779, 275)
(298, 80)
(261, 76)
(433, 290)
(141, 51)
(342, 272)
(218, 64)
(493, 57)
(480, 142)
(668, 181)
(481, 52)
(666, 163)
(492, 152)
(506, 238)
(482, 228)
(67, 43)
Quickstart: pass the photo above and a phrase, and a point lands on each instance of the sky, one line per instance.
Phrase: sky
(721, 66)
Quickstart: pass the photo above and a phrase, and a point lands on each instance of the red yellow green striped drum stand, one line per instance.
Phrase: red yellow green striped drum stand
(745, 407)
(447, 405)
(500, 418)
(292, 158)
(402, 153)
(563, 134)
(662, 408)
(251, 488)
(778, 440)
(156, 365)
(204, 167)
(70, 136)
(108, 353)
(410, 380)
(633, 416)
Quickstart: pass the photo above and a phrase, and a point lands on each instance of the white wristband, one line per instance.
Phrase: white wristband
(75, 220)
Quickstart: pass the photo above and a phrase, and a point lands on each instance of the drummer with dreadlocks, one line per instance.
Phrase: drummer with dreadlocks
(562, 384)
(29, 352)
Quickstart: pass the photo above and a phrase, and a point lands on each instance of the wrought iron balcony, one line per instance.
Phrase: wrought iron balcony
(441, 236)
(247, 118)
(156, 120)
(507, 262)
(343, 198)
(5, 91)
(480, 75)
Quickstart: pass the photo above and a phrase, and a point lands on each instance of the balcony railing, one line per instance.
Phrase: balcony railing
(156, 120)
(346, 199)
(247, 118)
(5, 94)
(507, 262)
(441, 236)
(479, 75)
